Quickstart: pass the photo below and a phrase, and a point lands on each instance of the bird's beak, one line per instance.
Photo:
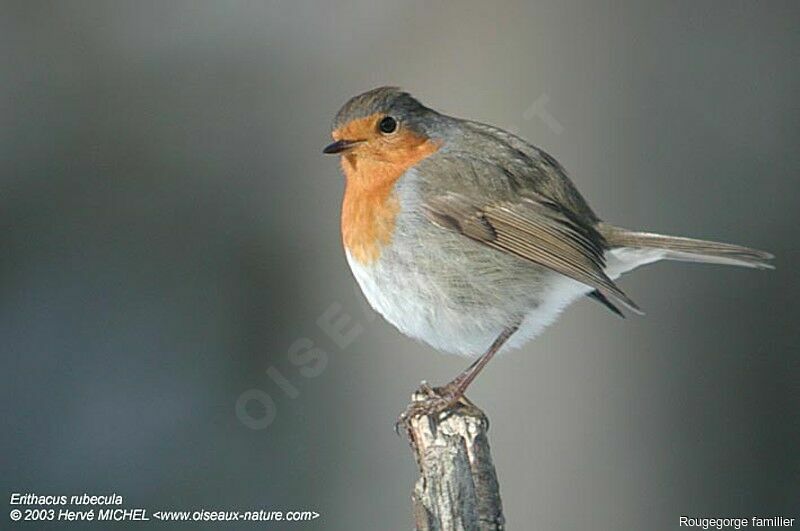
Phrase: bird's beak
(339, 146)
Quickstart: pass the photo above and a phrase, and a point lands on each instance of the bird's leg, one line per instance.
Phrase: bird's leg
(439, 399)
(458, 386)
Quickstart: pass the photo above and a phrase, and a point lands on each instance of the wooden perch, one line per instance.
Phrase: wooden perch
(457, 489)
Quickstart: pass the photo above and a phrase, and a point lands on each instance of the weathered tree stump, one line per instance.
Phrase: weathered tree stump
(457, 489)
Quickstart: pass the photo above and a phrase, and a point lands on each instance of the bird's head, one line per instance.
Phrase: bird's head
(384, 125)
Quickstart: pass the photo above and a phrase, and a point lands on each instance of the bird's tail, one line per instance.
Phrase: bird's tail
(638, 248)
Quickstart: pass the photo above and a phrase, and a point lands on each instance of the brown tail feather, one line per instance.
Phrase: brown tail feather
(687, 249)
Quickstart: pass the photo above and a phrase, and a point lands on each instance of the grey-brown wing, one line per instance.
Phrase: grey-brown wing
(533, 166)
(535, 230)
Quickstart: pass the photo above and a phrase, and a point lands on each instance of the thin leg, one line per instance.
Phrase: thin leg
(460, 383)
(443, 398)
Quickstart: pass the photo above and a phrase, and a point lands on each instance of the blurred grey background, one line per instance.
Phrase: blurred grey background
(170, 231)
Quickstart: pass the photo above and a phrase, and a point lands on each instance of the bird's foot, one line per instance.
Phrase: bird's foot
(436, 402)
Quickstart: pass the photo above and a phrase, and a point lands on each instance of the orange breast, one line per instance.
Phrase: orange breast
(370, 206)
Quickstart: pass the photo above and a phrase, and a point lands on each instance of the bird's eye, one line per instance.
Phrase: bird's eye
(388, 125)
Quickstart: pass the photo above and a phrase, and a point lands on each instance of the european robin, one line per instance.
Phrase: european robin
(469, 238)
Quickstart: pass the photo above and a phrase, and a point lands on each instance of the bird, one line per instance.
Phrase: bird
(472, 240)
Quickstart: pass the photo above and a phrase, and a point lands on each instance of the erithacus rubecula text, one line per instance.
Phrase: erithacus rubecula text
(471, 239)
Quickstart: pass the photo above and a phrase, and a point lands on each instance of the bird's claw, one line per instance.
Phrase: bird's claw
(435, 402)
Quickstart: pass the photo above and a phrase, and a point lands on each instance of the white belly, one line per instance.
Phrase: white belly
(420, 308)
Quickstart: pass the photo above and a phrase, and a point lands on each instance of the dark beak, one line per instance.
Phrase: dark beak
(339, 146)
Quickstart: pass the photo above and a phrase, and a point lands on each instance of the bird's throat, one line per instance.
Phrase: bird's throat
(370, 205)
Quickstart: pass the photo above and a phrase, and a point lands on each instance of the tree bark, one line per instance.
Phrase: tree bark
(457, 489)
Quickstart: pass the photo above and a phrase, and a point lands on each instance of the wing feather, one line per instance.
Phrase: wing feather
(532, 229)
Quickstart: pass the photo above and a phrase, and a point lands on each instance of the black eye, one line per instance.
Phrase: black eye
(388, 125)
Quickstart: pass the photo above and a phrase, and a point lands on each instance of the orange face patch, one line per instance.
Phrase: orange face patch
(371, 168)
